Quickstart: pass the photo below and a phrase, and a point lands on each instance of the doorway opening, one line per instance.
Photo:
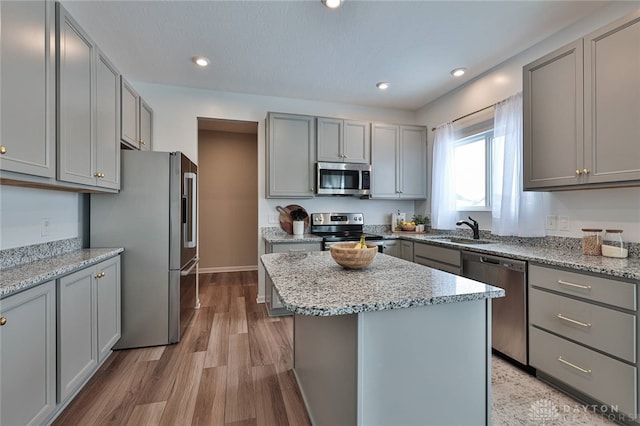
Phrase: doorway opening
(228, 187)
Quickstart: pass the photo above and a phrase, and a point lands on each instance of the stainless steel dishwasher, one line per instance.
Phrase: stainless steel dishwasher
(509, 313)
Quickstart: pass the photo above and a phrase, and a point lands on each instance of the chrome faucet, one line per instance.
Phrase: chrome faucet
(473, 226)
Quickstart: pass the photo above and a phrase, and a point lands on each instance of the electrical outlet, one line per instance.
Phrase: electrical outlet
(563, 223)
(274, 218)
(44, 226)
(551, 222)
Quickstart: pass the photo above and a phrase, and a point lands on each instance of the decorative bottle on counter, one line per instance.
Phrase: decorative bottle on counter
(612, 244)
(592, 241)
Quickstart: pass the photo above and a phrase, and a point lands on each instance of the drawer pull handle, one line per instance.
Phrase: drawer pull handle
(584, 287)
(572, 321)
(570, 364)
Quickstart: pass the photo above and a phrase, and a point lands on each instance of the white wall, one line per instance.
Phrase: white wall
(175, 127)
(22, 210)
(602, 208)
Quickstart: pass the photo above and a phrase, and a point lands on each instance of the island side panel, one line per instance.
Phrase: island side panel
(325, 357)
(424, 365)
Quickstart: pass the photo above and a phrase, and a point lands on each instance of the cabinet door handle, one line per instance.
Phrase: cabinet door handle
(3, 149)
(586, 171)
(570, 364)
(142, 142)
(572, 321)
(3, 321)
(100, 274)
(584, 287)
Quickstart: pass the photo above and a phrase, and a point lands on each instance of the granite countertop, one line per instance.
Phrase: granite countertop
(628, 268)
(313, 284)
(28, 275)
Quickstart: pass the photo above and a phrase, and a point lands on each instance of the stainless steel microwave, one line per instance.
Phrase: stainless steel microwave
(343, 179)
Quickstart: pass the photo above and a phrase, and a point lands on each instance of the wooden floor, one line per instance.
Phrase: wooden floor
(232, 367)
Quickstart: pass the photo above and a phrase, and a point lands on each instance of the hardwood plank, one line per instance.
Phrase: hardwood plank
(200, 330)
(209, 410)
(270, 407)
(238, 320)
(152, 354)
(218, 345)
(182, 401)
(147, 414)
(240, 404)
(259, 342)
(248, 422)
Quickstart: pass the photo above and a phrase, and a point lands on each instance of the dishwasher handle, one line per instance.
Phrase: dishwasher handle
(494, 261)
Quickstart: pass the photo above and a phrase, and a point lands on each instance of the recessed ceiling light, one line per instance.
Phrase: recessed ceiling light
(383, 85)
(201, 61)
(332, 4)
(458, 72)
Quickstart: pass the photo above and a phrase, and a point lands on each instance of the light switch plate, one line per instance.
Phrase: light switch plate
(551, 222)
(274, 218)
(563, 223)
(44, 226)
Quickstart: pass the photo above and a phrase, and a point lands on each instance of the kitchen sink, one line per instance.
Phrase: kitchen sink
(464, 240)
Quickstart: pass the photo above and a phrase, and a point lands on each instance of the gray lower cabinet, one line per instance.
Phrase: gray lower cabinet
(88, 109)
(28, 88)
(291, 156)
(581, 109)
(392, 248)
(274, 305)
(407, 250)
(398, 162)
(442, 258)
(88, 323)
(583, 334)
(28, 356)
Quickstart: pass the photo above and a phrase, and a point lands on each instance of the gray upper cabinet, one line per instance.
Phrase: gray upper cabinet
(581, 109)
(129, 110)
(76, 74)
(107, 123)
(553, 118)
(291, 152)
(88, 109)
(612, 102)
(343, 141)
(146, 126)
(28, 356)
(28, 88)
(137, 119)
(399, 162)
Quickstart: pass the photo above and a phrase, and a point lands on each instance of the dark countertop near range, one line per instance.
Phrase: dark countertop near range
(569, 257)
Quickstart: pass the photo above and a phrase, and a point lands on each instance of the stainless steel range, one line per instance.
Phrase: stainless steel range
(341, 227)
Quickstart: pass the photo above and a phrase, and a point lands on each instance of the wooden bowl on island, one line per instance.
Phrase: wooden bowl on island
(347, 256)
(408, 227)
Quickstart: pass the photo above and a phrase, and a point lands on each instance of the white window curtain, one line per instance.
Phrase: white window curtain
(443, 186)
(513, 212)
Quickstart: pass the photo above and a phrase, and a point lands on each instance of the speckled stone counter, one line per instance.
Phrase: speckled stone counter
(277, 235)
(314, 284)
(572, 258)
(28, 275)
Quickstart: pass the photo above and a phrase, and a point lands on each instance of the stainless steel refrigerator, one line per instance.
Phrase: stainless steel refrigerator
(154, 218)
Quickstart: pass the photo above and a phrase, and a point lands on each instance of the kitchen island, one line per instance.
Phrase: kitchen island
(393, 344)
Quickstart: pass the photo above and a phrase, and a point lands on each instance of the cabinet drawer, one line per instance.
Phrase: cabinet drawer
(605, 329)
(599, 289)
(605, 379)
(438, 265)
(285, 248)
(439, 254)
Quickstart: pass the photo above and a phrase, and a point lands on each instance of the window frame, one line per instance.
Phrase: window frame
(487, 135)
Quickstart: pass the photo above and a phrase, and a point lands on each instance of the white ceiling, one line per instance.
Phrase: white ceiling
(300, 49)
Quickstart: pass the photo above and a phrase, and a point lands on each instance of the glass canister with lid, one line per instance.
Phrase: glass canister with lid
(591, 241)
(612, 244)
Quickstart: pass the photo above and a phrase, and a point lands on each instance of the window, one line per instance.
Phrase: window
(473, 172)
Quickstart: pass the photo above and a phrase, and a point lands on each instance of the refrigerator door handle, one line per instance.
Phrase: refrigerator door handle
(190, 218)
(188, 270)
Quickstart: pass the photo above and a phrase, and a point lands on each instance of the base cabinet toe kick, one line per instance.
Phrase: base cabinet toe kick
(583, 338)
